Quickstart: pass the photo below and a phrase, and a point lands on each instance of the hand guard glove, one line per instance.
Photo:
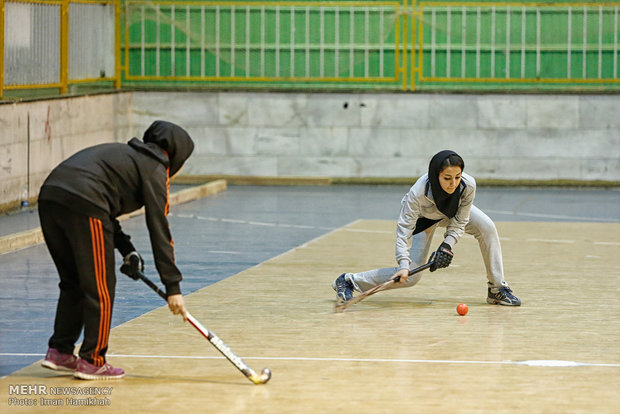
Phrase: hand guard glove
(132, 265)
(442, 257)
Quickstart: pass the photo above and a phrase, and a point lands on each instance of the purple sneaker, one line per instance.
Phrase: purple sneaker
(60, 362)
(86, 370)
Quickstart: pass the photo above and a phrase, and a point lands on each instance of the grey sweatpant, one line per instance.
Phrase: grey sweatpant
(480, 226)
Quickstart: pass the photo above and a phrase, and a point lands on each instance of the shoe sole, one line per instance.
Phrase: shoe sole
(84, 376)
(499, 302)
(52, 366)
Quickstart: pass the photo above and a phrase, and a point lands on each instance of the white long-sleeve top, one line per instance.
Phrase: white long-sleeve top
(419, 202)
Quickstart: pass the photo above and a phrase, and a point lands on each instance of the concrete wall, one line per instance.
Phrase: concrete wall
(56, 129)
(508, 137)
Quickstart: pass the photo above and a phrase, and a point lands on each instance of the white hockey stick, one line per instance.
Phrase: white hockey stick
(216, 342)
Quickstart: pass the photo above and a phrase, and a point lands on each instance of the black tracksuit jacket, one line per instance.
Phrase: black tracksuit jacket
(108, 180)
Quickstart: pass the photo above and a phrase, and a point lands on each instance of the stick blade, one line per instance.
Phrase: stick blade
(263, 378)
(339, 307)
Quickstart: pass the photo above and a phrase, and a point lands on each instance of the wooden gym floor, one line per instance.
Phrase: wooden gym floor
(400, 351)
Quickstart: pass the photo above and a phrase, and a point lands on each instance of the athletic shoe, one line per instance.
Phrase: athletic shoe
(502, 296)
(59, 362)
(86, 370)
(343, 288)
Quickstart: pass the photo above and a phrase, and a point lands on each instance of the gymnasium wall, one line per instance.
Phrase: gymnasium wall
(36, 136)
(386, 135)
(352, 136)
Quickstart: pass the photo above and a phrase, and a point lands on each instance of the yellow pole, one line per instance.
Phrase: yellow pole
(397, 45)
(1, 47)
(414, 16)
(64, 46)
(117, 45)
(405, 16)
(420, 66)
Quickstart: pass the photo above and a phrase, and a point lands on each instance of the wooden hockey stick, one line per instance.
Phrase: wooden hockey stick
(216, 342)
(340, 307)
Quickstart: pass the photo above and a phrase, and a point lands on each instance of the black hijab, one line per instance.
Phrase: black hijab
(448, 204)
(173, 139)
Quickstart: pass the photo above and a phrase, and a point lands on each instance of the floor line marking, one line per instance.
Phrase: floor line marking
(354, 230)
(552, 216)
(227, 220)
(304, 245)
(551, 241)
(608, 243)
(547, 363)
(260, 223)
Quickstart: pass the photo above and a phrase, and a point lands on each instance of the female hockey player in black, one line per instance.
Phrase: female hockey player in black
(79, 204)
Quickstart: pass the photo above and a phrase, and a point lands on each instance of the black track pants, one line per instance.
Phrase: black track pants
(82, 248)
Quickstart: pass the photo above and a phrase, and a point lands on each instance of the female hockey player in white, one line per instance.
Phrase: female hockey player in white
(441, 198)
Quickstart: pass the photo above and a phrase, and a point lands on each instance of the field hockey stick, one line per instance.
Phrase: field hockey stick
(216, 342)
(340, 307)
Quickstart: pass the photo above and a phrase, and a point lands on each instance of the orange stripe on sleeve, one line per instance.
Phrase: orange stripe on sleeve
(167, 208)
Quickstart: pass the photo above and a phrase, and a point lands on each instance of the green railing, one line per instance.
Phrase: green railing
(382, 45)
(285, 43)
(517, 45)
(295, 45)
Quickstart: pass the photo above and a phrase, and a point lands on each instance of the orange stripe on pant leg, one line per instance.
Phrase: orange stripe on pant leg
(104, 297)
(93, 235)
(104, 323)
(106, 293)
(102, 304)
(104, 286)
(96, 260)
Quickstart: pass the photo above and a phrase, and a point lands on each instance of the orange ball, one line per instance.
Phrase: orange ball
(462, 309)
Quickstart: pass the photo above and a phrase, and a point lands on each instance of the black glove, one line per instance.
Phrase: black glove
(442, 257)
(132, 265)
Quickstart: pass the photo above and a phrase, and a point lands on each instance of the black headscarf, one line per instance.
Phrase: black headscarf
(448, 204)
